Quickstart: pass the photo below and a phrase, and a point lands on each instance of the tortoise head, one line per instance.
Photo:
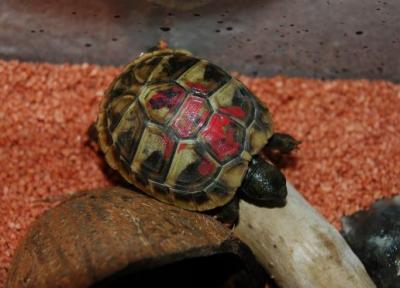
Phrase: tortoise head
(264, 184)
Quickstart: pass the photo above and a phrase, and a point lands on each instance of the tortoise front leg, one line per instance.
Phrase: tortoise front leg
(279, 147)
(282, 143)
(229, 213)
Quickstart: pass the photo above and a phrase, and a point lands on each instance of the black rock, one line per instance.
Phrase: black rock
(374, 236)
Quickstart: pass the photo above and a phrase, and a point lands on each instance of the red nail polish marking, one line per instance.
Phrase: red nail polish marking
(206, 167)
(235, 111)
(220, 135)
(191, 118)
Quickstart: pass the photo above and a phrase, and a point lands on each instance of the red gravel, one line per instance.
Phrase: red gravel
(350, 151)
(349, 157)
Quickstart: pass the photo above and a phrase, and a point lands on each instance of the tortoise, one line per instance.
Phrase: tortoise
(184, 131)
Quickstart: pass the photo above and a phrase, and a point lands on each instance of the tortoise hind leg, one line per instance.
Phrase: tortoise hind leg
(92, 138)
(227, 214)
(92, 133)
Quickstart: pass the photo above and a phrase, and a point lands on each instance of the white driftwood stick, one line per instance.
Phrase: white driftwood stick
(298, 247)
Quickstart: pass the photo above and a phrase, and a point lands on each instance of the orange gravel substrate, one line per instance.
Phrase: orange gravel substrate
(349, 157)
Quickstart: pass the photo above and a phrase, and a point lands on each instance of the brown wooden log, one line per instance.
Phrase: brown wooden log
(298, 247)
(111, 236)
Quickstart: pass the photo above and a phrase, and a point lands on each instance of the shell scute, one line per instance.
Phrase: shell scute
(192, 116)
(143, 70)
(223, 136)
(191, 167)
(232, 173)
(116, 109)
(171, 67)
(153, 154)
(162, 100)
(232, 100)
(203, 78)
(127, 133)
(122, 84)
(159, 189)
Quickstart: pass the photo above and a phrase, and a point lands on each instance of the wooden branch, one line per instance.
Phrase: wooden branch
(298, 247)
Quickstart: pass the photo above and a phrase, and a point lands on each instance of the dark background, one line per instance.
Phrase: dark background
(313, 38)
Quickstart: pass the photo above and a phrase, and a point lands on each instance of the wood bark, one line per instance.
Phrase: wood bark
(298, 247)
(105, 236)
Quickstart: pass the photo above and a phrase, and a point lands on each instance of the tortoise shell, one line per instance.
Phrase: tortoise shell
(181, 129)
